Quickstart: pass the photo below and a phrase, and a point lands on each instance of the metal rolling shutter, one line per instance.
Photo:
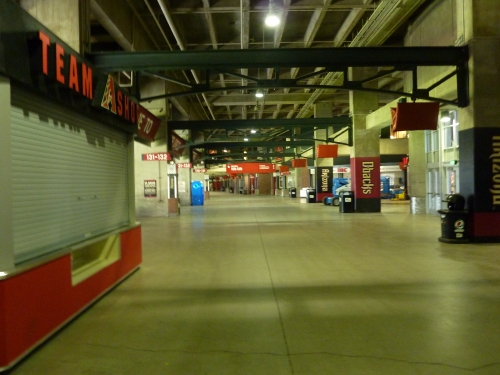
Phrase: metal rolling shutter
(70, 176)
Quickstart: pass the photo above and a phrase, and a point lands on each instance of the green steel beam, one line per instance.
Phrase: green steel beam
(332, 58)
(235, 145)
(336, 122)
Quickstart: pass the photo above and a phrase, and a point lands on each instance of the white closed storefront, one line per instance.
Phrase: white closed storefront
(69, 176)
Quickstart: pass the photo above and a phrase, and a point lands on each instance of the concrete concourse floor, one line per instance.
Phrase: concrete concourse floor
(273, 285)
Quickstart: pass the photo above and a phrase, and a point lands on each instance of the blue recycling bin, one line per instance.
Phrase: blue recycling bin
(197, 193)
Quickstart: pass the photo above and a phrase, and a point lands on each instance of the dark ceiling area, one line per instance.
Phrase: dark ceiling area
(225, 94)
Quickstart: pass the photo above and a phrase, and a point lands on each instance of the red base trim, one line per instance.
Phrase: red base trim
(34, 304)
(484, 226)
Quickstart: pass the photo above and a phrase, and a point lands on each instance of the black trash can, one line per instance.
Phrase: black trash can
(311, 196)
(293, 192)
(346, 201)
(454, 220)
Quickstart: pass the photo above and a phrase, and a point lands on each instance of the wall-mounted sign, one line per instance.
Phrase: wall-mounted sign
(184, 165)
(149, 188)
(199, 170)
(250, 168)
(157, 156)
(64, 67)
(68, 69)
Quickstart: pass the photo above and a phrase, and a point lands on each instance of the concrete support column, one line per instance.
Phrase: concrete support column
(322, 110)
(184, 180)
(479, 136)
(416, 186)
(365, 152)
(62, 17)
(323, 166)
(301, 178)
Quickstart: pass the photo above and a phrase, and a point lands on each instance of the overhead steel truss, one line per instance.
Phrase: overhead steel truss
(335, 127)
(389, 59)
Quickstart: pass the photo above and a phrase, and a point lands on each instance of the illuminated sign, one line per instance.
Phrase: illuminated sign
(250, 168)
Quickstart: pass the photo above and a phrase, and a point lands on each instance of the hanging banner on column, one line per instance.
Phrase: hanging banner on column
(479, 168)
(324, 182)
(365, 174)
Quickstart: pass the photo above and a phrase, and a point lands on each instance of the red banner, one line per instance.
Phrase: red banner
(147, 124)
(250, 168)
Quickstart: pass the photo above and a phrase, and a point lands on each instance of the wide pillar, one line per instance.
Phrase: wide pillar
(323, 166)
(365, 152)
(479, 135)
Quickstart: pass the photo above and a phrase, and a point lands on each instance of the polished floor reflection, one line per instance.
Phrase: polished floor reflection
(272, 285)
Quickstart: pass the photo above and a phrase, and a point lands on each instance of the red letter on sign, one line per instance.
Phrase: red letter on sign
(45, 46)
(59, 63)
(73, 74)
(127, 108)
(87, 81)
(119, 102)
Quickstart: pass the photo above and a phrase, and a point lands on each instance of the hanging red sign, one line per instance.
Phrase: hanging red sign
(110, 97)
(250, 168)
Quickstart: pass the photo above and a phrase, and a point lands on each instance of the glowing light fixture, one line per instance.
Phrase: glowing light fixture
(253, 131)
(259, 94)
(445, 119)
(245, 139)
(272, 19)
